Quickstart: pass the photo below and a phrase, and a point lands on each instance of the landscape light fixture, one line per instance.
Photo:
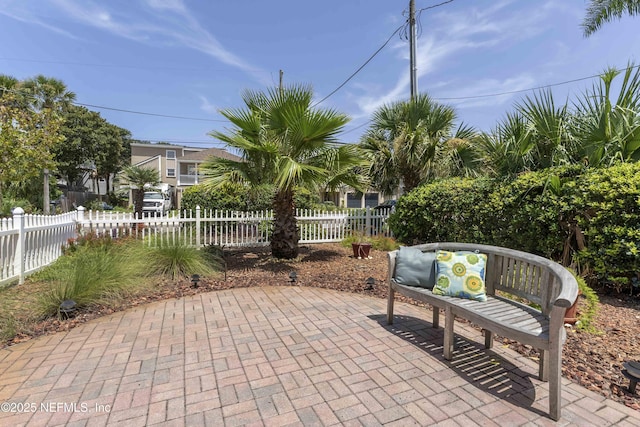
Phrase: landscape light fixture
(67, 308)
(195, 279)
(293, 277)
(632, 372)
(370, 282)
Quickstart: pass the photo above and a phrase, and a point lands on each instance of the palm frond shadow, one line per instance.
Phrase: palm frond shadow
(480, 367)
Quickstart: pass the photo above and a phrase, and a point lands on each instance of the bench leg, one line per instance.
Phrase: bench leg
(488, 338)
(436, 317)
(392, 294)
(543, 367)
(448, 333)
(555, 382)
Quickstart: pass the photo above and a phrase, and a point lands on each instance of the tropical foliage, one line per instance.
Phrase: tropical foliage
(410, 142)
(285, 141)
(136, 179)
(600, 12)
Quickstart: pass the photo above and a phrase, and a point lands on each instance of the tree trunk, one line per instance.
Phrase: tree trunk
(284, 240)
(138, 198)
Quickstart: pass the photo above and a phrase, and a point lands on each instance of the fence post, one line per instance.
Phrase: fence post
(198, 243)
(80, 220)
(18, 260)
(367, 222)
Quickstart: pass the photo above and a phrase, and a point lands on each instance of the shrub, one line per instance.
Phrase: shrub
(172, 258)
(236, 197)
(92, 274)
(445, 210)
(607, 211)
(572, 214)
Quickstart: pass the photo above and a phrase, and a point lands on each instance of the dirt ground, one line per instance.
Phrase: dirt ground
(591, 360)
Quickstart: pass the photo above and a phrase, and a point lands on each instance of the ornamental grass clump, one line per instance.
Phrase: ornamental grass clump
(174, 259)
(91, 275)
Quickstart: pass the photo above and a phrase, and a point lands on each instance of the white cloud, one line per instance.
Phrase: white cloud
(207, 106)
(165, 22)
(459, 32)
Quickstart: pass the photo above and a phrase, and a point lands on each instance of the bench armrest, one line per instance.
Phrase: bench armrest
(568, 290)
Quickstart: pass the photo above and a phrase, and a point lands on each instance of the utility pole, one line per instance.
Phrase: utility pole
(45, 194)
(281, 75)
(412, 49)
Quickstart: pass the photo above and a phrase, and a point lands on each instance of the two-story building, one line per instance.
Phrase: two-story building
(177, 165)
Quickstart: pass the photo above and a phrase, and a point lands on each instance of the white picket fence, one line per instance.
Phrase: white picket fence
(30, 242)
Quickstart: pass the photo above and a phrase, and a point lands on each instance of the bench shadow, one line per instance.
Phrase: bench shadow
(483, 368)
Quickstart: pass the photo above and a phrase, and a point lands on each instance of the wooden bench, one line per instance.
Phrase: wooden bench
(536, 279)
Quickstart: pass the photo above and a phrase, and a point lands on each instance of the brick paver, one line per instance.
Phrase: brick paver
(278, 356)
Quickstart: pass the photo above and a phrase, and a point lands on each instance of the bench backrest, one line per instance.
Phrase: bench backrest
(521, 274)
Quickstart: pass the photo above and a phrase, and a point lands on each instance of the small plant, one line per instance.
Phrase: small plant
(172, 258)
(358, 237)
(588, 315)
(384, 243)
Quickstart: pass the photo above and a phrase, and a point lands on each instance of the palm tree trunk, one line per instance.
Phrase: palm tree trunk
(138, 199)
(284, 241)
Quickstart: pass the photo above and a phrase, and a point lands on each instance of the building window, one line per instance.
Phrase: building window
(171, 172)
(171, 154)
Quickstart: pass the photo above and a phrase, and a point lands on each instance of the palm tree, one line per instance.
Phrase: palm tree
(138, 178)
(504, 150)
(48, 92)
(548, 136)
(608, 130)
(284, 140)
(407, 138)
(602, 11)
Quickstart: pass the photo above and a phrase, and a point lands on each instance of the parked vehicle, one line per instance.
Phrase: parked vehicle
(158, 201)
(390, 204)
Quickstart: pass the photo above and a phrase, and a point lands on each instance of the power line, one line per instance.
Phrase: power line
(434, 6)
(20, 92)
(361, 67)
(149, 114)
(526, 90)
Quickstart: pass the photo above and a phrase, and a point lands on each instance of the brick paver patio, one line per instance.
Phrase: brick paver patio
(276, 357)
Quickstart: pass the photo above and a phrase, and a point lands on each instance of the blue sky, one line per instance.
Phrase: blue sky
(192, 58)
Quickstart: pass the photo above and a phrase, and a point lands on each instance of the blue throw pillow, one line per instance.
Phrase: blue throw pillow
(460, 274)
(415, 268)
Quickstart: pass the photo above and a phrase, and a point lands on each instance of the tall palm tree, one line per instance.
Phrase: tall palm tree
(137, 178)
(600, 12)
(284, 140)
(48, 92)
(405, 140)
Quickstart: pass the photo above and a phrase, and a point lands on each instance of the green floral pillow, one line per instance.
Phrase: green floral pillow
(460, 274)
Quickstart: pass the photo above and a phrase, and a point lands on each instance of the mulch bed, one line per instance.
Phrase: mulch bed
(594, 361)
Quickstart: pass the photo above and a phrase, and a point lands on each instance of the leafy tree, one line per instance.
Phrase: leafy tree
(91, 139)
(137, 178)
(285, 141)
(600, 12)
(26, 139)
(408, 137)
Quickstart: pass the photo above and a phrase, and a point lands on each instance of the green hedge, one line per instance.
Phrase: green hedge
(241, 198)
(590, 217)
